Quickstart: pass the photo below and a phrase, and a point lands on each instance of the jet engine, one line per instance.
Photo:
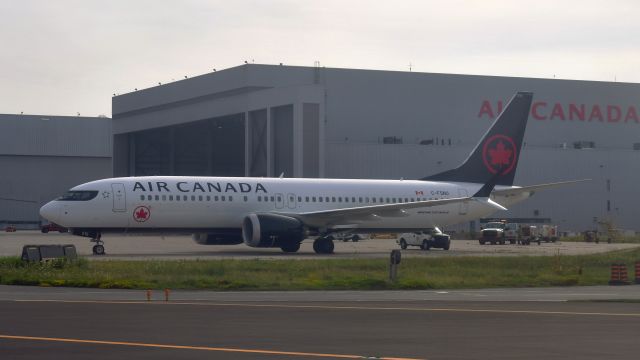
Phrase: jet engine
(218, 238)
(271, 230)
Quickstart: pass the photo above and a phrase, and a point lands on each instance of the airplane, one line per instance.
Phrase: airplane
(282, 212)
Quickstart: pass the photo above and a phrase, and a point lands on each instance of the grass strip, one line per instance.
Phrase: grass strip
(331, 274)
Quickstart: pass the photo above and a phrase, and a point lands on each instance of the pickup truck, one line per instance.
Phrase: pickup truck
(426, 239)
(498, 232)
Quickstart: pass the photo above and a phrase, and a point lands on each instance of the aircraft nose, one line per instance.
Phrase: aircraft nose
(50, 211)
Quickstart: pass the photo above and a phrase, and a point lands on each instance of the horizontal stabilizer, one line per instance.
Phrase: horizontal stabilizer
(530, 189)
(487, 201)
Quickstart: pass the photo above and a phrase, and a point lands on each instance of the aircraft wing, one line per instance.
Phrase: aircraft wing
(515, 191)
(355, 215)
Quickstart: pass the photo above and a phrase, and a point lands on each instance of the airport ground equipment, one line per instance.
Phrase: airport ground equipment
(426, 239)
(394, 260)
(345, 237)
(549, 233)
(528, 234)
(53, 227)
(49, 252)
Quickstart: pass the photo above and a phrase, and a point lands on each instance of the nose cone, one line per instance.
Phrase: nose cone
(50, 211)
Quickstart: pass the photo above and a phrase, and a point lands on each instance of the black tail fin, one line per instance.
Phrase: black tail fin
(499, 149)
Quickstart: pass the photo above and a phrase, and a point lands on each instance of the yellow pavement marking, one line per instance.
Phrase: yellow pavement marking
(203, 348)
(337, 307)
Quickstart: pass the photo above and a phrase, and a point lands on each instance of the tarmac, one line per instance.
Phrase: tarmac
(136, 247)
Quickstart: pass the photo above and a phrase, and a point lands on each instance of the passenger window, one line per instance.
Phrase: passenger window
(164, 197)
(177, 197)
(320, 199)
(185, 198)
(222, 198)
(157, 197)
(306, 199)
(142, 197)
(148, 197)
(326, 199)
(272, 199)
(199, 197)
(215, 198)
(373, 200)
(230, 198)
(170, 197)
(359, 199)
(393, 200)
(406, 200)
(208, 198)
(346, 199)
(353, 199)
(299, 198)
(314, 199)
(193, 198)
(246, 198)
(333, 199)
(279, 199)
(367, 200)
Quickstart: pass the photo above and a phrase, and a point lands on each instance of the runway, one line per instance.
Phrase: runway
(105, 324)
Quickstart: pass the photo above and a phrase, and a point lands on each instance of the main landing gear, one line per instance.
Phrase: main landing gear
(98, 248)
(323, 245)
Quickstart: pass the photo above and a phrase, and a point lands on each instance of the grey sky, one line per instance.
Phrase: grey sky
(62, 57)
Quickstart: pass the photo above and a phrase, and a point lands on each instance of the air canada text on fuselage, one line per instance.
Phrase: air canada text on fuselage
(195, 187)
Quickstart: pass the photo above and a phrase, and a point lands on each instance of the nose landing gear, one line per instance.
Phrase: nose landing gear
(98, 248)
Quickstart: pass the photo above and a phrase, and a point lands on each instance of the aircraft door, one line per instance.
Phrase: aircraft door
(119, 197)
(279, 201)
(464, 206)
(291, 201)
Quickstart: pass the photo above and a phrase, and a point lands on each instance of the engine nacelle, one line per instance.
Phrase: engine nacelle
(217, 239)
(271, 230)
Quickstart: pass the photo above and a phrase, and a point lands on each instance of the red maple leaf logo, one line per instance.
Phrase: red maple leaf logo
(141, 214)
(500, 155)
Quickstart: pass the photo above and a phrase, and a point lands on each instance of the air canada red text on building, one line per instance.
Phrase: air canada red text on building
(552, 111)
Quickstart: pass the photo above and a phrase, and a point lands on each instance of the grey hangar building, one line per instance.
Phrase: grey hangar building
(270, 120)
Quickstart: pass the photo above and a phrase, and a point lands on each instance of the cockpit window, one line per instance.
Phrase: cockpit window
(78, 196)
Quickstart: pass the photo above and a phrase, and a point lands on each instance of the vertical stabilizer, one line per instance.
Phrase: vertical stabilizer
(497, 154)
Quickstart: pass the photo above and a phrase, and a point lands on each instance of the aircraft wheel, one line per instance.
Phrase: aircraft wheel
(98, 250)
(323, 245)
(290, 247)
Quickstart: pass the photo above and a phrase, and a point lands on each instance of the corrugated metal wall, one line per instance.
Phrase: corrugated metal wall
(55, 135)
(43, 156)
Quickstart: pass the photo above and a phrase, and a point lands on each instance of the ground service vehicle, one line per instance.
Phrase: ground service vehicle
(498, 232)
(350, 236)
(549, 233)
(53, 227)
(427, 239)
(528, 234)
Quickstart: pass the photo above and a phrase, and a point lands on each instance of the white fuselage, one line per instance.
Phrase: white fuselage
(174, 203)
